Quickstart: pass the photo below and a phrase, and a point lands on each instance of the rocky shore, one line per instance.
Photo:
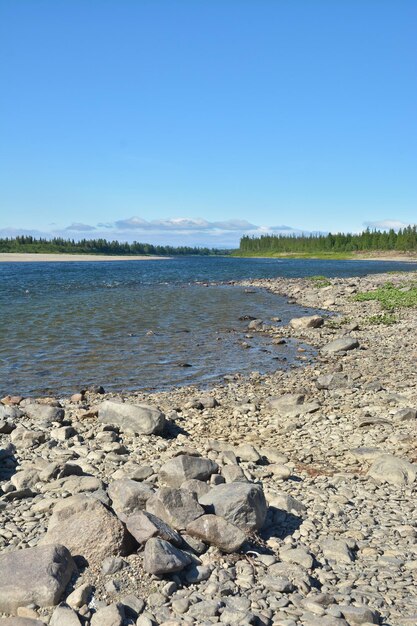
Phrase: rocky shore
(273, 500)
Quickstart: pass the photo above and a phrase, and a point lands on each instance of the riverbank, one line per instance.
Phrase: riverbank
(331, 446)
(374, 255)
(28, 257)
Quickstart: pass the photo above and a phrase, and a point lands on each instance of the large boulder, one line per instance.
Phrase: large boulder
(87, 528)
(39, 575)
(242, 504)
(141, 419)
(177, 507)
(128, 496)
(390, 469)
(218, 532)
(44, 412)
(311, 321)
(161, 557)
(183, 467)
(342, 344)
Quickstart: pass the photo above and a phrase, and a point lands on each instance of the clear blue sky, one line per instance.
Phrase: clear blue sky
(274, 112)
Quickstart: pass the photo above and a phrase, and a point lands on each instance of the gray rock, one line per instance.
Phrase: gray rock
(298, 556)
(359, 615)
(183, 467)
(242, 504)
(143, 525)
(233, 474)
(160, 557)
(64, 616)
(337, 550)
(311, 321)
(139, 419)
(197, 487)
(24, 438)
(133, 605)
(285, 502)
(246, 452)
(87, 528)
(37, 575)
(279, 584)
(112, 615)
(44, 412)
(128, 496)
(342, 344)
(218, 532)
(291, 405)
(391, 469)
(337, 380)
(9, 412)
(26, 479)
(80, 596)
(176, 507)
(406, 414)
(111, 565)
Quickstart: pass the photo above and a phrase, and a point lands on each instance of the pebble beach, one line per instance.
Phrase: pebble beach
(282, 499)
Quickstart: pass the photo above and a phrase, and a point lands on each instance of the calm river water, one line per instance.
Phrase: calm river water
(133, 325)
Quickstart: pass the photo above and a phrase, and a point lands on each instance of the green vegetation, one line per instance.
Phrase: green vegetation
(382, 319)
(320, 281)
(391, 297)
(57, 245)
(404, 240)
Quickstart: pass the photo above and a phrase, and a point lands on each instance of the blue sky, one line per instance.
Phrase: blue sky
(195, 121)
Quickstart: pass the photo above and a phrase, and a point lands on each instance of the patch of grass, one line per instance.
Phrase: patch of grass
(320, 281)
(337, 323)
(391, 297)
(383, 319)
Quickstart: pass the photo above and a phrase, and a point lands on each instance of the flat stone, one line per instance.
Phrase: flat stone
(128, 496)
(217, 531)
(342, 344)
(242, 504)
(176, 507)
(39, 575)
(44, 412)
(391, 469)
(23, 438)
(247, 453)
(143, 525)
(311, 321)
(359, 615)
(298, 556)
(87, 528)
(161, 557)
(141, 419)
(406, 414)
(336, 380)
(175, 471)
(337, 550)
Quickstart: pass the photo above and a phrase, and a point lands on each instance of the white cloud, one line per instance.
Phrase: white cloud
(174, 231)
(79, 227)
(386, 225)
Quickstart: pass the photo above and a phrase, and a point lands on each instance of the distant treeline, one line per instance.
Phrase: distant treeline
(405, 239)
(57, 245)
